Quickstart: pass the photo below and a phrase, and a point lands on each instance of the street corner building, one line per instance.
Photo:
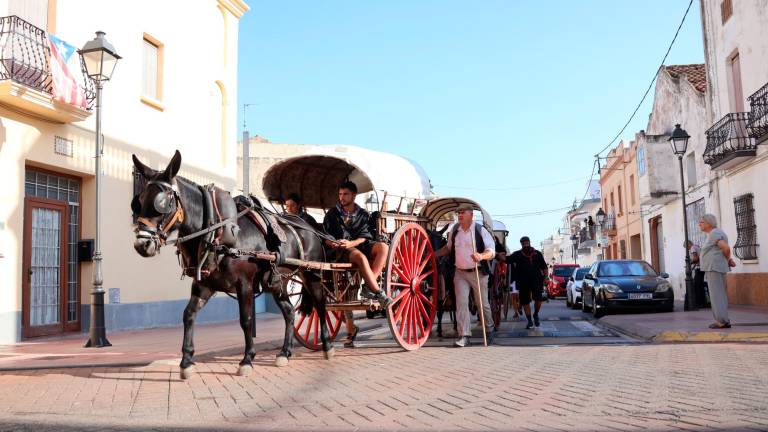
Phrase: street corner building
(174, 88)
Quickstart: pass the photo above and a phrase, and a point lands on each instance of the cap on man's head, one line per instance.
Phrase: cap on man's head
(464, 207)
(525, 239)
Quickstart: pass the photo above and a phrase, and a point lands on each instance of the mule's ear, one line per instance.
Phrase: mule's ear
(144, 170)
(173, 167)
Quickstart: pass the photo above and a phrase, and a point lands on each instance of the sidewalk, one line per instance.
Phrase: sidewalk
(142, 347)
(749, 324)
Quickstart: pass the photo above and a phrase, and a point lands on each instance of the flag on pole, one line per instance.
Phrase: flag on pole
(66, 74)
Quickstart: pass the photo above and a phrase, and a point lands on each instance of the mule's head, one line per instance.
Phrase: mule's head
(157, 208)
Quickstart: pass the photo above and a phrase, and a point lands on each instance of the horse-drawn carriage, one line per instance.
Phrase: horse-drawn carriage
(240, 248)
(411, 226)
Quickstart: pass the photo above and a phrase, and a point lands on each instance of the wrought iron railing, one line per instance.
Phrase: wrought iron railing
(746, 229)
(25, 58)
(609, 224)
(758, 114)
(24, 54)
(728, 138)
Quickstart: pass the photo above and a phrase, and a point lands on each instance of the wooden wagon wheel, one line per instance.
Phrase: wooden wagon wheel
(306, 328)
(412, 282)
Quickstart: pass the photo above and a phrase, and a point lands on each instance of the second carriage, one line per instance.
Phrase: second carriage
(409, 225)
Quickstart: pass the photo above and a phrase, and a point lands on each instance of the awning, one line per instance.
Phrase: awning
(314, 178)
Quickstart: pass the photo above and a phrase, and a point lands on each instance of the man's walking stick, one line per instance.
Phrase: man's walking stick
(479, 296)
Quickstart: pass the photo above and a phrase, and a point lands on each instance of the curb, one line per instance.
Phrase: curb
(682, 337)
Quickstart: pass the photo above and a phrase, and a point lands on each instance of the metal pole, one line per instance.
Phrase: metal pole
(246, 163)
(97, 331)
(690, 303)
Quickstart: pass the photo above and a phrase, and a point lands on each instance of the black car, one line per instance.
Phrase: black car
(625, 284)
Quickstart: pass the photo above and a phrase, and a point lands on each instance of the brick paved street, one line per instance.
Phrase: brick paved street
(575, 387)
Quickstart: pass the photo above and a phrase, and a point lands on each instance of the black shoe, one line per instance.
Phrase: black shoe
(536, 320)
(462, 342)
(350, 341)
(366, 293)
(490, 336)
(530, 325)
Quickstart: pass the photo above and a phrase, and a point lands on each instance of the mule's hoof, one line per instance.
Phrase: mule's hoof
(244, 370)
(281, 361)
(330, 353)
(187, 373)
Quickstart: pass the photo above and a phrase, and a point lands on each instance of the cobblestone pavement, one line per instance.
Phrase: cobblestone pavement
(564, 388)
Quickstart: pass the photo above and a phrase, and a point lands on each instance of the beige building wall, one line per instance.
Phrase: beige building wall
(198, 80)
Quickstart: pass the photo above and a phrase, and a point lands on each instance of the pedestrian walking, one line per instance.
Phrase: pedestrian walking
(698, 276)
(470, 247)
(529, 269)
(715, 262)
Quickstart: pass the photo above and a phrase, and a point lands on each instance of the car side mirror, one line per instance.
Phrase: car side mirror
(571, 279)
(589, 276)
(664, 275)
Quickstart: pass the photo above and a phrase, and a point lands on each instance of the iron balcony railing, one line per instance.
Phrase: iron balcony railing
(758, 114)
(728, 139)
(25, 57)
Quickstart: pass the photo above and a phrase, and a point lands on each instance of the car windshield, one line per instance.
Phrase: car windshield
(580, 273)
(562, 271)
(626, 268)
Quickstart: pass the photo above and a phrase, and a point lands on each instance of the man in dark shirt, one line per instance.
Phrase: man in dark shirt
(529, 269)
(349, 224)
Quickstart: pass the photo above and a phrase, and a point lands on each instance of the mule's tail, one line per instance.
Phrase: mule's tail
(307, 301)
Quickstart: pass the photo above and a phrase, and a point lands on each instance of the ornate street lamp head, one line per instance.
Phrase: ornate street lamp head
(679, 140)
(600, 216)
(99, 57)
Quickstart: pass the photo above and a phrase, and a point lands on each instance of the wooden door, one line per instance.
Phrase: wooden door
(44, 277)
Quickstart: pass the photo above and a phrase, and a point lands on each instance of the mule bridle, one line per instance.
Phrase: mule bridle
(170, 217)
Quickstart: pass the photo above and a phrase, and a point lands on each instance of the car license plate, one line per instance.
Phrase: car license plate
(640, 296)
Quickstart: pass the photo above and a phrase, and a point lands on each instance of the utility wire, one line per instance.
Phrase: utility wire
(513, 187)
(648, 90)
(531, 213)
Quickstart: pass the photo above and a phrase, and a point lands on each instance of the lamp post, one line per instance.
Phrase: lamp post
(561, 256)
(100, 59)
(575, 242)
(600, 216)
(679, 142)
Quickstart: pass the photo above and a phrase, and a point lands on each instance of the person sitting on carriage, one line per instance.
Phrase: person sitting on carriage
(295, 206)
(349, 224)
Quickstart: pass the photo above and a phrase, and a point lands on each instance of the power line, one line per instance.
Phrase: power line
(514, 187)
(531, 213)
(652, 81)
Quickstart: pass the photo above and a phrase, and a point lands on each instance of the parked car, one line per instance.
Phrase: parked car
(559, 279)
(625, 284)
(573, 288)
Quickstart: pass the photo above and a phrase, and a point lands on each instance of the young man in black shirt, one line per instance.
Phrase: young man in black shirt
(529, 269)
(348, 223)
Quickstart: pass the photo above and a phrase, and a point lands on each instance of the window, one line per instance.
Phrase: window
(613, 205)
(640, 160)
(695, 211)
(690, 165)
(623, 247)
(726, 10)
(736, 94)
(632, 188)
(152, 72)
(621, 204)
(746, 241)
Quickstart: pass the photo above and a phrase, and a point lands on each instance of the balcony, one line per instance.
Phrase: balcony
(609, 225)
(758, 115)
(728, 142)
(26, 83)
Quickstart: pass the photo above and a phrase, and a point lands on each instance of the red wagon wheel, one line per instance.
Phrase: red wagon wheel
(412, 283)
(306, 328)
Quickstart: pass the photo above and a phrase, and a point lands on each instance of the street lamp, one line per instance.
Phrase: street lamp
(100, 58)
(575, 242)
(679, 142)
(561, 256)
(600, 216)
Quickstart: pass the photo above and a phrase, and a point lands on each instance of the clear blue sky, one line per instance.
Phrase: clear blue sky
(483, 94)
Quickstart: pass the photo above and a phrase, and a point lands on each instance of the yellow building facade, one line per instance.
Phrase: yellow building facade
(174, 88)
